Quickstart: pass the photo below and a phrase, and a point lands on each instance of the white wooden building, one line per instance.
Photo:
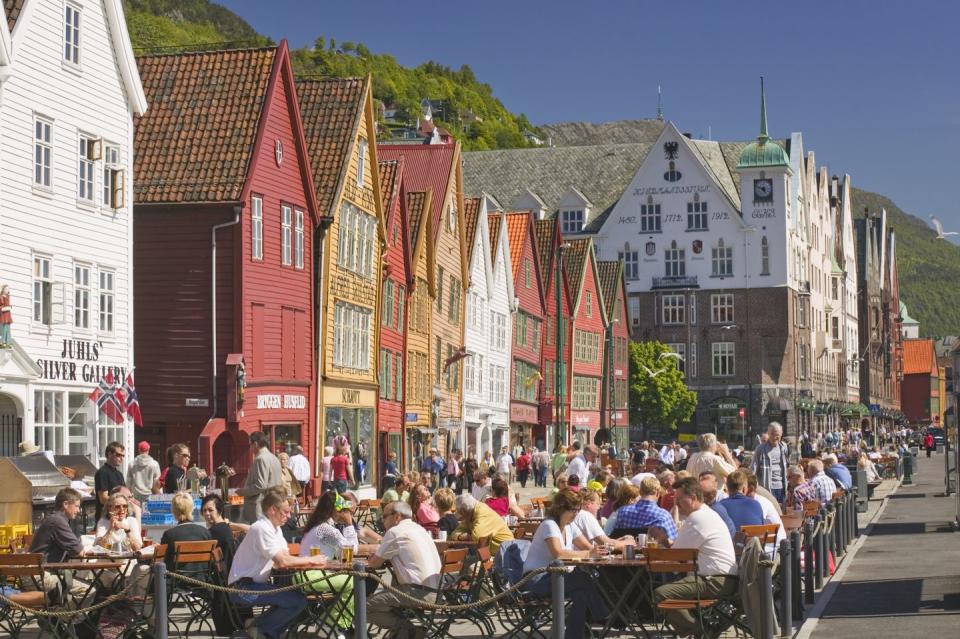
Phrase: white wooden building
(69, 90)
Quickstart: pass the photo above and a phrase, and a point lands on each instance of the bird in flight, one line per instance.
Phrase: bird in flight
(675, 356)
(941, 234)
(652, 373)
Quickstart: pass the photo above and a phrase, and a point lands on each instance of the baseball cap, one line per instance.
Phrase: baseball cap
(143, 447)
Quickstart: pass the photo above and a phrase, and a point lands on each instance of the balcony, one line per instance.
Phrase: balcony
(803, 287)
(675, 281)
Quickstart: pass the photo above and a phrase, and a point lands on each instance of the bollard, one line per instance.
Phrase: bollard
(559, 602)
(853, 514)
(818, 552)
(835, 532)
(766, 584)
(841, 525)
(160, 600)
(795, 573)
(359, 602)
(907, 469)
(808, 562)
(823, 560)
(786, 589)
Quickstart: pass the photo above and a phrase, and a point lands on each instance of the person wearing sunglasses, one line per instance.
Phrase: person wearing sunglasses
(109, 475)
(118, 526)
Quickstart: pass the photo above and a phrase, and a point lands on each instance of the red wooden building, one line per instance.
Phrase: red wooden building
(921, 401)
(616, 359)
(395, 294)
(224, 216)
(589, 334)
(556, 387)
(526, 426)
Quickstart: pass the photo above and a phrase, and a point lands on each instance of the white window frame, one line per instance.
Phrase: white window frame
(650, 217)
(673, 309)
(85, 170)
(765, 257)
(112, 179)
(298, 240)
(286, 234)
(351, 336)
(71, 33)
(81, 295)
(589, 302)
(469, 374)
(631, 264)
(571, 221)
(107, 279)
(674, 261)
(256, 228)
(723, 356)
(722, 308)
(680, 348)
(361, 160)
(634, 307)
(49, 420)
(697, 215)
(452, 216)
(692, 361)
(721, 260)
(42, 289)
(42, 153)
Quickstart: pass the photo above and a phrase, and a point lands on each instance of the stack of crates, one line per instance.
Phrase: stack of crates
(157, 512)
(9, 532)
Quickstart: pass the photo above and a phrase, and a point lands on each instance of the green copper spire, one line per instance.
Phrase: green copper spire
(763, 114)
(764, 152)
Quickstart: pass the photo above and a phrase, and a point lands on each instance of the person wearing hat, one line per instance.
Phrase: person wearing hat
(143, 473)
(29, 449)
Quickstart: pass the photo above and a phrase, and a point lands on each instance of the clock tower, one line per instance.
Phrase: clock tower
(764, 178)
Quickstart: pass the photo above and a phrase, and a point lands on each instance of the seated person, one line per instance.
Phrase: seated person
(628, 494)
(117, 526)
(742, 510)
(645, 512)
(556, 538)
(770, 514)
(708, 484)
(444, 500)
(500, 501)
(573, 482)
(399, 491)
(135, 507)
(560, 483)
(211, 509)
(421, 503)
(704, 530)
(589, 529)
(610, 494)
(836, 471)
(865, 463)
(181, 506)
(481, 485)
(56, 541)
(478, 520)
(799, 489)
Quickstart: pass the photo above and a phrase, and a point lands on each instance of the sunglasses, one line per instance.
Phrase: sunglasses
(120, 508)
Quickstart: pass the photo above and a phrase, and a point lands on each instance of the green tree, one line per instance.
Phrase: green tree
(659, 397)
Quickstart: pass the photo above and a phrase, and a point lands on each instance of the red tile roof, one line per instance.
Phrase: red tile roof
(919, 357)
(195, 142)
(426, 167)
(493, 224)
(471, 216)
(609, 274)
(331, 110)
(12, 8)
(518, 224)
(575, 263)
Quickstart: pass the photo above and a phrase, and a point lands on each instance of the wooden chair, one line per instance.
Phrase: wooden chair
(20, 569)
(525, 530)
(811, 508)
(765, 533)
(450, 590)
(669, 561)
(194, 559)
(538, 503)
(293, 549)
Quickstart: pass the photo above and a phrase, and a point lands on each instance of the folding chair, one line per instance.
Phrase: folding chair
(19, 570)
(526, 530)
(667, 561)
(520, 613)
(143, 606)
(194, 559)
(436, 623)
(811, 508)
(765, 533)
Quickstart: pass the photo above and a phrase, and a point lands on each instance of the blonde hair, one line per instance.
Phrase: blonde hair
(443, 499)
(650, 486)
(182, 506)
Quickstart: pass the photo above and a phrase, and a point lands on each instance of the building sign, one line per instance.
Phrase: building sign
(276, 401)
(197, 402)
(411, 417)
(350, 396)
(669, 190)
(79, 361)
(523, 413)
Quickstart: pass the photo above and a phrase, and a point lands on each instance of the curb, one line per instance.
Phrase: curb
(810, 623)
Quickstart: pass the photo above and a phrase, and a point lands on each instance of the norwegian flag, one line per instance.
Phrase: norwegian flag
(131, 400)
(109, 398)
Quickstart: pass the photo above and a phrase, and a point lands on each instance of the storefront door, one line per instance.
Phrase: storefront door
(11, 424)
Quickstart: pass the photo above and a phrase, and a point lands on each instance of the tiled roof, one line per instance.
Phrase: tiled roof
(493, 225)
(426, 167)
(575, 263)
(195, 142)
(518, 223)
(918, 357)
(415, 209)
(389, 182)
(330, 110)
(609, 274)
(12, 9)
(471, 216)
(545, 230)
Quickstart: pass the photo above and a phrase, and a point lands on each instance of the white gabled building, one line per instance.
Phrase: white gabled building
(70, 90)
(486, 376)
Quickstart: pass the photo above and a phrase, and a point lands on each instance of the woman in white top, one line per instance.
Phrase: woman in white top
(118, 526)
(555, 539)
(329, 529)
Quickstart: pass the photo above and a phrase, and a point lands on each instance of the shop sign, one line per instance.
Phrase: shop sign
(276, 401)
(77, 362)
(411, 417)
(197, 402)
(581, 419)
(523, 413)
(350, 396)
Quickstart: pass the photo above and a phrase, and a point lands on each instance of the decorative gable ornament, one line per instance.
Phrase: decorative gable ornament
(671, 149)
(651, 248)
(278, 151)
(698, 246)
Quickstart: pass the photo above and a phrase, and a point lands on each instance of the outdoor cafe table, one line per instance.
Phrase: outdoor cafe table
(324, 606)
(97, 568)
(624, 597)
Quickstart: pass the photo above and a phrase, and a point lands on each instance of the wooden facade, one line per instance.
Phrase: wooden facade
(589, 334)
(616, 376)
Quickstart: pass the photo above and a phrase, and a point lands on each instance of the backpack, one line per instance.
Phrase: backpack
(510, 559)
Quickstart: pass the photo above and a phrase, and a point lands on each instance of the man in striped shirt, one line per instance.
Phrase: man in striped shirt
(646, 513)
(821, 482)
(799, 489)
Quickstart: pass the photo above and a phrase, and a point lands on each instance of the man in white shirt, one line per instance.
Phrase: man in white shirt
(299, 465)
(580, 465)
(416, 564)
(481, 488)
(704, 530)
(263, 549)
(505, 465)
(712, 457)
(666, 455)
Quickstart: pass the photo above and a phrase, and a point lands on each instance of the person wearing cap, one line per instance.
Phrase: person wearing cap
(143, 473)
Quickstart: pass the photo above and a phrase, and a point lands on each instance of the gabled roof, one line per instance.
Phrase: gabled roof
(389, 181)
(331, 110)
(416, 210)
(428, 167)
(12, 9)
(609, 274)
(196, 142)
(471, 216)
(919, 357)
(518, 225)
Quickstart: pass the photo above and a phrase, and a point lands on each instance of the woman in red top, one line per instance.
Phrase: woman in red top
(499, 501)
(523, 467)
(342, 470)
(928, 443)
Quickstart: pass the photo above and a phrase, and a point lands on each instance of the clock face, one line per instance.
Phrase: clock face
(763, 189)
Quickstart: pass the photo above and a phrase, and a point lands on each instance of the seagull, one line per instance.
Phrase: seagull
(671, 354)
(941, 235)
(652, 373)
(728, 327)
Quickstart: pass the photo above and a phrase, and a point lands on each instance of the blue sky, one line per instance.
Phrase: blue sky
(873, 86)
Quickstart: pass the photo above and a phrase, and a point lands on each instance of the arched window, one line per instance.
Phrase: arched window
(764, 256)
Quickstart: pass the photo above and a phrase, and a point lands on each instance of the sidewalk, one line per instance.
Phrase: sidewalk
(905, 578)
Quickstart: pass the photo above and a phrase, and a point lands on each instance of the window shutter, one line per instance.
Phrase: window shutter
(118, 194)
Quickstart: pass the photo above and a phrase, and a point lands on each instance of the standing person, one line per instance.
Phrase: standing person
(109, 475)
(928, 443)
(543, 461)
(262, 550)
(487, 466)
(175, 479)
(713, 457)
(558, 463)
(6, 317)
(416, 565)
(580, 464)
(300, 467)
(341, 469)
(326, 470)
(263, 475)
(505, 465)
(287, 479)
(704, 530)
(523, 467)
(143, 473)
(453, 471)
(770, 462)
(467, 471)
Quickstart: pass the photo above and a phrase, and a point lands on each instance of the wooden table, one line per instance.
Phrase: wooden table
(622, 599)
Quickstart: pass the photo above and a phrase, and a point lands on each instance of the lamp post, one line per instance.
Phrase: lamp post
(558, 377)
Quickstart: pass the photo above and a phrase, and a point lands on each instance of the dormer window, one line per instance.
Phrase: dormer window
(452, 217)
(571, 221)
